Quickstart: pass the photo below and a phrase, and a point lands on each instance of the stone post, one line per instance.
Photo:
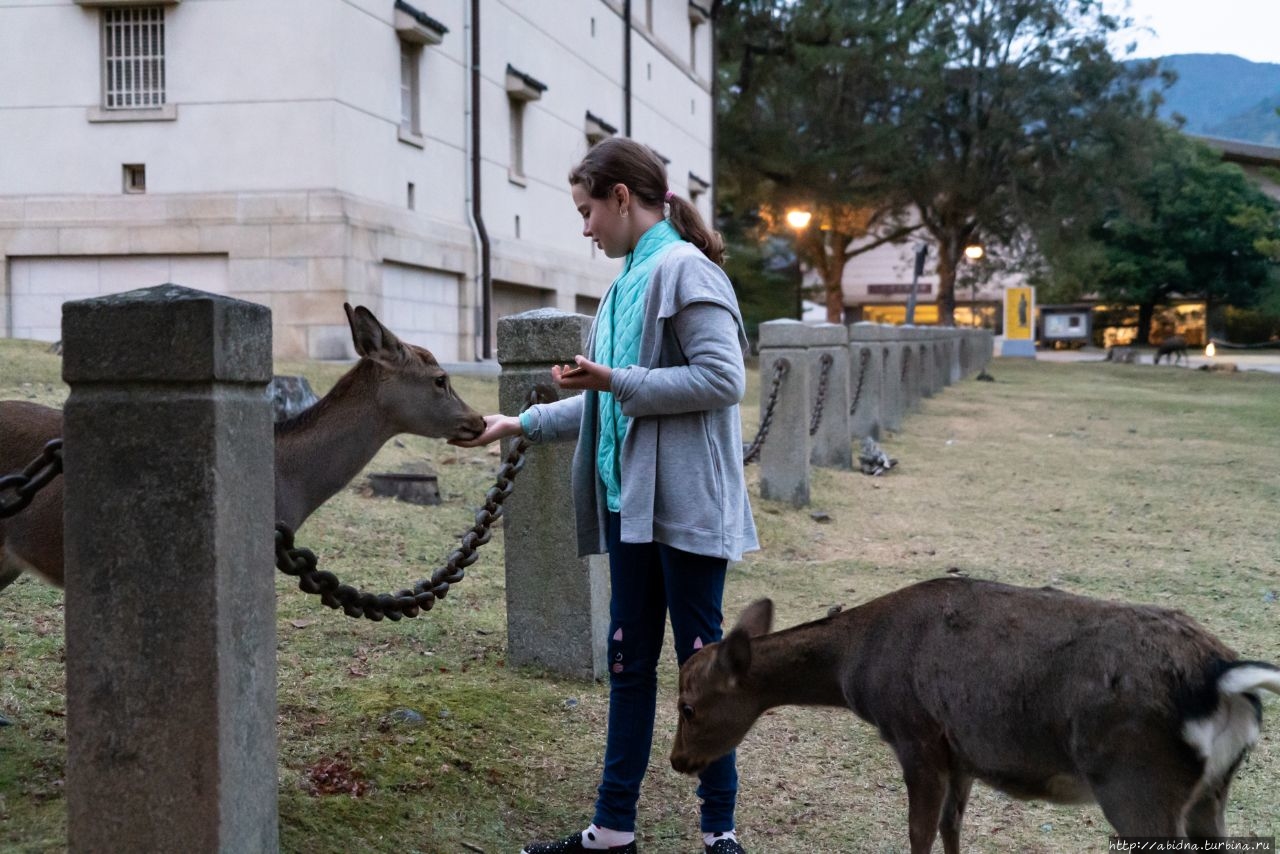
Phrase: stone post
(784, 459)
(830, 443)
(557, 602)
(912, 370)
(170, 579)
(866, 379)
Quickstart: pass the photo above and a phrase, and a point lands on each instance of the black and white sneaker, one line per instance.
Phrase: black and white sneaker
(727, 845)
(573, 845)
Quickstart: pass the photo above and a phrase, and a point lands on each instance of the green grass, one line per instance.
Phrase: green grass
(1118, 481)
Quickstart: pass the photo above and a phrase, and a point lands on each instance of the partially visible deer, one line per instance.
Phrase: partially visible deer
(1175, 347)
(1038, 693)
(394, 388)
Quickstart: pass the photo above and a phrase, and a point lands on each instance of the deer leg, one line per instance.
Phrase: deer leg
(1207, 816)
(926, 790)
(9, 570)
(957, 799)
(1147, 801)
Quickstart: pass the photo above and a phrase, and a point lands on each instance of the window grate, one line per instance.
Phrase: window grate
(133, 58)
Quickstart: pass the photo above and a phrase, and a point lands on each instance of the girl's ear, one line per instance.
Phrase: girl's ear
(621, 194)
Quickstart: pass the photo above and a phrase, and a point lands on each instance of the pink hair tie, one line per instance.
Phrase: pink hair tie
(670, 195)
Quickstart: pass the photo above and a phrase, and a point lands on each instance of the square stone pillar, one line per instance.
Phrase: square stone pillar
(871, 343)
(170, 579)
(829, 353)
(784, 459)
(557, 602)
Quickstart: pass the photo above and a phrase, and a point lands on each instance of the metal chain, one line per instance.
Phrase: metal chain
(863, 360)
(780, 368)
(823, 374)
(301, 562)
(38, 473)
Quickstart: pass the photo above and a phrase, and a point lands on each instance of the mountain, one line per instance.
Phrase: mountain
(1259, 124)
(1224, 95)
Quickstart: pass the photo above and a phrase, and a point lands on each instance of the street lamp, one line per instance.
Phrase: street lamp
(974, 253)
(798, 219)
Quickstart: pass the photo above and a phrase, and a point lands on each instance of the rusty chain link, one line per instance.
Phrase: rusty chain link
(301, 562)
(24, 486)
(752, 453)
(864, 358)
(823, 374)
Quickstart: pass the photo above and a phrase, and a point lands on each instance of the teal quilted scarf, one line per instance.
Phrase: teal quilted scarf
(618, 345)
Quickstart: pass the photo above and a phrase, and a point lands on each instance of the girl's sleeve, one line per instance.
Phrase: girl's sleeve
(714, 377)
(549, 422)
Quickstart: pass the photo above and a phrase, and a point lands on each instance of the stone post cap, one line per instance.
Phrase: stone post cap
(541, 336)
(166, 333)
(865, 330)
(828, 335)
(785, 332)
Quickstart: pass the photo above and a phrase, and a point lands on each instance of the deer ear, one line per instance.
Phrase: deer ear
(757, 618)
(370, 337)
(733, 654)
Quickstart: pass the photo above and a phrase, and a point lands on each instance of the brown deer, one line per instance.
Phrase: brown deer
(1038, 693)
(1175, 347)
(394, 388)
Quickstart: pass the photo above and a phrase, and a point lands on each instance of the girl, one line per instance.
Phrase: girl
(657, 473)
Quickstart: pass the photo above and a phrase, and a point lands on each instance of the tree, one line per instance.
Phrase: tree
(969, 112)
(1189, 224)
(802, 90)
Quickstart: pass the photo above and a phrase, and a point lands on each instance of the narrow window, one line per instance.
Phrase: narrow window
(517, 137)
(517, 226)
(648, 14)
(133, 58)
(412, 197)
(410, 59)
(135, 178)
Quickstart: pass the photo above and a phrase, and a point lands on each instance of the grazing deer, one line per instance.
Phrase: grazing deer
(1038, 693)
(394, 388)
(1175, 347)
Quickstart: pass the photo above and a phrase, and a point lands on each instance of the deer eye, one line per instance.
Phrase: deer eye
(442, 381)
(686, 712)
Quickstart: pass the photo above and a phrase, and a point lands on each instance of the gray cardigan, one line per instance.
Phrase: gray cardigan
(682, 478)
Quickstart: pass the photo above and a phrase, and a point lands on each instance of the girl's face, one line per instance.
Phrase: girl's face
(603, 222)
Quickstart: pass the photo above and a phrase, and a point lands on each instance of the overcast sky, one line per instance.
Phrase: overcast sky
(1247, 28)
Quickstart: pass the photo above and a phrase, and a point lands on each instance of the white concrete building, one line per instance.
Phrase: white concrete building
(410, 156)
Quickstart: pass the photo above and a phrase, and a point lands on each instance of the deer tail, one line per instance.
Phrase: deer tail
(1222, 736)
(1246, 676)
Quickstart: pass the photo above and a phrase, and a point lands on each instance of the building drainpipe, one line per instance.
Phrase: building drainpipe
(475, 217)
(626, 67)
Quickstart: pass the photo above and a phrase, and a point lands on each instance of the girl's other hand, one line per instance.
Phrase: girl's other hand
(585, 374)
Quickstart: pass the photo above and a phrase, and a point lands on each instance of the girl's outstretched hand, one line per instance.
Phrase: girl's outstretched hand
(495, 427)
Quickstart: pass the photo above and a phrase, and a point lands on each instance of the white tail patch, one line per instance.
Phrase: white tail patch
(1249, 677)
(697, 644)
(1232, 728)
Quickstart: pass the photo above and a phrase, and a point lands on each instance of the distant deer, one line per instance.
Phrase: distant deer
(1038, 693)
(1175, 347)
(394, 388)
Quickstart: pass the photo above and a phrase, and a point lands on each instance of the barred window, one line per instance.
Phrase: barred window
(133, 58)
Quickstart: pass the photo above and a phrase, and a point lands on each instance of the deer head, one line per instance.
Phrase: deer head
(716, 704)
(413, 392)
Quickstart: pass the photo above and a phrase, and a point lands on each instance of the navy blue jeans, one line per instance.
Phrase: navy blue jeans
(650, 580)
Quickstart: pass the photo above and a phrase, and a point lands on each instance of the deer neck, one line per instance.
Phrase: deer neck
(801, 665)
(320, 451)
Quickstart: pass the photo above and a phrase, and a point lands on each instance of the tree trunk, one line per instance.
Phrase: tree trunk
(1146, 311)
(833, 280)
(946, 285)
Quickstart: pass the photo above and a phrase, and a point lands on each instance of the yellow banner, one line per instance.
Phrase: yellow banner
(1019, 313)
